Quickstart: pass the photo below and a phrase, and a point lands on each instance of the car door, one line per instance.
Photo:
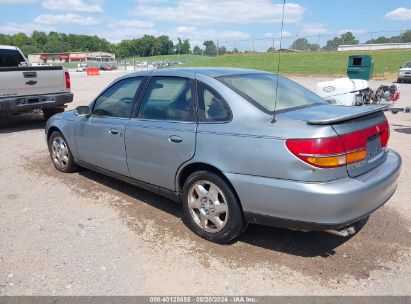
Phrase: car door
(162, 135)
(100, 136)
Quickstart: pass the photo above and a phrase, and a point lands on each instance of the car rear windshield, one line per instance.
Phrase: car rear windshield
(261, 90)
(10, 58)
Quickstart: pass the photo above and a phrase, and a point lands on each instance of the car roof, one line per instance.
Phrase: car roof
(208, 71)
(8, 47)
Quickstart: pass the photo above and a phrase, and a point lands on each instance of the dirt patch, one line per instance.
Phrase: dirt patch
(12, 196)
(383, 240)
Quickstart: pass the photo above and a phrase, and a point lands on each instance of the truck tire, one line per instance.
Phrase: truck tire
(47, 113)
(211, 208)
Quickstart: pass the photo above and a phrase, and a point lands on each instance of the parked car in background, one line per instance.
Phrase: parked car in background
(404, 74)
(26, 88)
(234, 148)
(82, 67)
(107, 67)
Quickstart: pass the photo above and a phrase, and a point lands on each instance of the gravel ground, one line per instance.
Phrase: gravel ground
(87, 234)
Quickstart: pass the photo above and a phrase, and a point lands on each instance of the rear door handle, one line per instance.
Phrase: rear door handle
(175, 139)
(113, 131)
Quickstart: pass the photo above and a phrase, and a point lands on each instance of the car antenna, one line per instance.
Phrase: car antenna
(279, 62)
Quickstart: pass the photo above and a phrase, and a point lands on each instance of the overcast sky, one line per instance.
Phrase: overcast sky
(199, 20)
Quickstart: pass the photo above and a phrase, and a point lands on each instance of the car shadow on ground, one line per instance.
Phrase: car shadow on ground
(403, 130)
(21, 122)
(303, 244)
(299, 243)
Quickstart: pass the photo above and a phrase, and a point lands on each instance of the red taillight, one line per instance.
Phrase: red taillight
(68, 83)
(385, 133)
(358, 139)
(337, 151)
(319, 152)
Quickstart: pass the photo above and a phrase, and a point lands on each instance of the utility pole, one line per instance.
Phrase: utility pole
(217, 47)
(319, 39)
(401, 34)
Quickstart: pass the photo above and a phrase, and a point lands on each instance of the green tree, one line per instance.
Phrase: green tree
(406, 37)
(166, 45)
(197, 50)
(185, 47)
(349, 38)
(222, 50)
(300, 44)
(39, 38)
(20, 40)
(210, 48)
(380, 39)
(314, 47)
(178, 46)
(344, 39)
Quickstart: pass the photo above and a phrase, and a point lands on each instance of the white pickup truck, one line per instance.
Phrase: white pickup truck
(26, 88)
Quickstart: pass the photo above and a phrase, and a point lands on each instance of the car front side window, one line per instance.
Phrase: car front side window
(168, 98)
(117, 101)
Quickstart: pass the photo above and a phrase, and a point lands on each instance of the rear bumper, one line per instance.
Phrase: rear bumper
(29, 103)
(406, 77)
(316, 206)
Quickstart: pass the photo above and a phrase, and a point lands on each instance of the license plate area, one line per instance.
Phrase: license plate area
(32, 100)
(375, 156)
(374, 149)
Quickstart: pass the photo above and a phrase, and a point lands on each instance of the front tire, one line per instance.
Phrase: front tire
(211, 208)
(60, 153)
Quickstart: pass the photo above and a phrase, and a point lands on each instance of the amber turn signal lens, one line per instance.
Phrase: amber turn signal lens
(353, 157)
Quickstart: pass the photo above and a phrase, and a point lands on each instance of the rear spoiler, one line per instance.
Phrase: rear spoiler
(363, 111)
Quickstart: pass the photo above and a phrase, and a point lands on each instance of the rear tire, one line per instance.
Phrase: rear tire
(211, 208)
(47, 113)
(60, 153)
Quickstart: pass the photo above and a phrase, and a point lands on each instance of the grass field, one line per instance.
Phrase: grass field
(386, 63)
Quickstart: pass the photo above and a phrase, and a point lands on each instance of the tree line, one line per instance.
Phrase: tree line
(148, 45)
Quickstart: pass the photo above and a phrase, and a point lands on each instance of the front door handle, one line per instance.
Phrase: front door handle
(113, 131)
(175, 139)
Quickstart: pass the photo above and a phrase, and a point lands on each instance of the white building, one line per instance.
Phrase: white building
(373, 47)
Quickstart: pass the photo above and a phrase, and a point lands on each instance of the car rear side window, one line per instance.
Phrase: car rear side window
(211, 106)
(168, 98)
(117, 101)
(261, 90)
(10, 58)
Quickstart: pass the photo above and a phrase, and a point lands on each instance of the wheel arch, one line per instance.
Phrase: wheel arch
(51, 130)
(187, 170)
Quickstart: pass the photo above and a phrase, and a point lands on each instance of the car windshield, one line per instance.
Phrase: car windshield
(407, 65)
(261, 90)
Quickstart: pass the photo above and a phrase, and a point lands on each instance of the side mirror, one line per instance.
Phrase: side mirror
(82, 111)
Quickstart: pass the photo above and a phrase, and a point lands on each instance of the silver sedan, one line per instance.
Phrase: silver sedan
(235, 146)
